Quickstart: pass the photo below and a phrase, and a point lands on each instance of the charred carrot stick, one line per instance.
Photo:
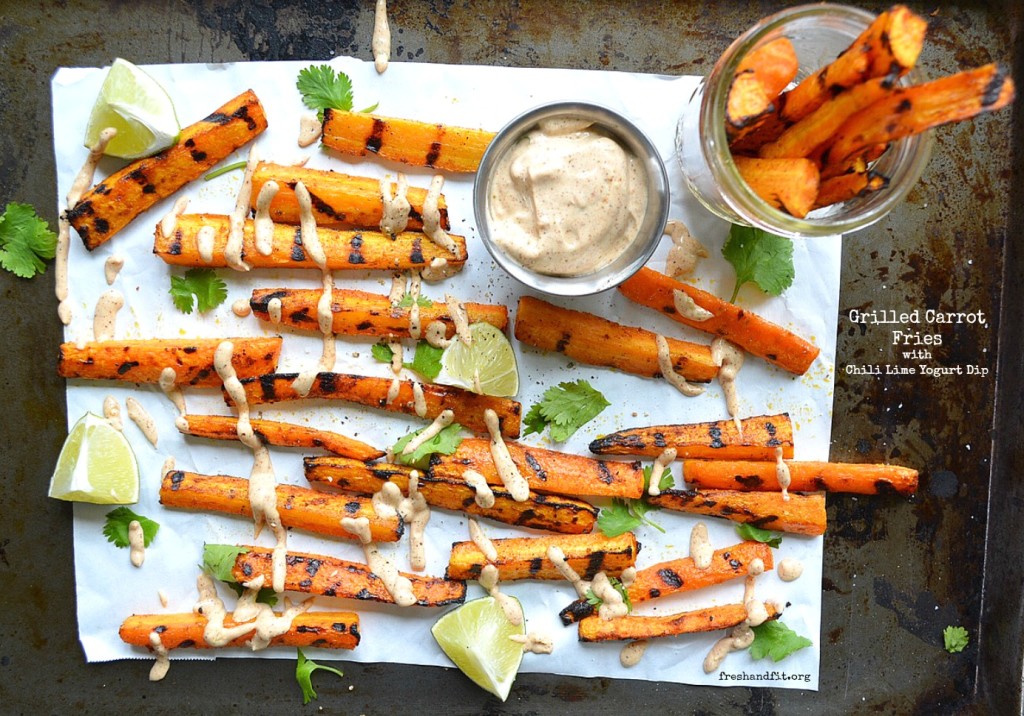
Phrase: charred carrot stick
(352, 250)
(788, 184)
(633, 626)
(327, 630)
(110, 205)
(804, 476)
(372, 392)
(455, 149)
(760, 78)
(850, 185)
(527, 557)
(333, 577)
(299, 507)
(554, 513)
(360, 313)
(800, 514)
(593, 340)
(271, 432)
(143, 361)
(715, 439)
(547, 471)
(745, 328)
(340, 201)
(912, 110)
(681, 575)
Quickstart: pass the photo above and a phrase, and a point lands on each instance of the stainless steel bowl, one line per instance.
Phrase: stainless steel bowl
(651, 228)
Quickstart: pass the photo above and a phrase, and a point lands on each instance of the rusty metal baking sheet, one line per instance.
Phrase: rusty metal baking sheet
(896, 572)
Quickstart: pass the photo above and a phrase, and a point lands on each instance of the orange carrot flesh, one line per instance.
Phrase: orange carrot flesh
(327, 630)
(715, 439)
(746, 329)
(526, 557)
(760, 77)
(298, 507)
(800, 514)
(632, 626)
(866, 479)
(788, 184)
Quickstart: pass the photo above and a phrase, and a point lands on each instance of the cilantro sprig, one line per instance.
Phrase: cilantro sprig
(763, 258)
(219, 560)
(26, 241)
(566, 408)
(323, 88)
(199, 288)
(445, 443)
(596, 601)
(426, 360)
(304, 669)
(772, 539)
(116, 527)
(955, 639)
(421, 301)
(776, 641)
(625, 515)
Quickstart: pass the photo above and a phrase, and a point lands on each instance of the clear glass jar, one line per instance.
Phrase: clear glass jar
(819, 33)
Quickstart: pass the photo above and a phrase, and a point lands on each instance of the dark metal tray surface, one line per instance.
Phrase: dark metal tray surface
(897, 571)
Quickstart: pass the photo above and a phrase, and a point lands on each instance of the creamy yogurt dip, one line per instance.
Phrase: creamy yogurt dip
(567, 199)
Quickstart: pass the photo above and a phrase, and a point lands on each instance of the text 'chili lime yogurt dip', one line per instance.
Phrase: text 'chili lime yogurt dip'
(567, 199)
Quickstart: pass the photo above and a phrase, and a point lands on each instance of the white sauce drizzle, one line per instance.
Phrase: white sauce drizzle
(782, 473)
(236, 223)
(789, 569)
(112, 412)
(310, 130)
(668, 371)
(414, 308)
(241, 308)
(395, 215)
(104, 320)
(398, 288)
(482, 541)
(206, 241)
(437, 334)
(688, 308)
(82, 181)
(265, 626)
(489, 578)
(514, 482)
(484, 494)
(459, 317)
(685, 252)
(439, 269)
(399, 587)
(757, 613)
(136, 543)
(112, 267)
(142, 419)
(557, 557)
(534, 642)
(729, 358)
(386, 500)
(263, 227)
(658, 469)
(381, 42)
(432, 217)
(163, 663)
(162, 596)
(700, 546)
(740, 637)
(393, 390)
(397, 357)
(613, 605)
(632, 653)
(416, 513)
(274, 310)
(166, 468)
(419, 400)
(169, 222)
(168, 384)
(441, 422)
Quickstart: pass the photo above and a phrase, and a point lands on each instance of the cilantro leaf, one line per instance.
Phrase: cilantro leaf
(757, 534)
(426, 360)
(624, 516)
(665, 482)
(955, 638)
(776, 641)
(219, 560)
(445, 442)
(765, 259)
(322, 88)
(26, 242)
(304, 669)
(207, 288)
(421, 301)
(596, 601)
(566, 408)
(116, 527)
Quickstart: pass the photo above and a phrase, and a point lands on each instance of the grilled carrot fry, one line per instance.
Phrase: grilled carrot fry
(340, 201)
(850, 185)
(360, 313)
(110, 205)
(142, 361)
(760, 78)
(787, 184)
(912, 110)
(593, 340)
(372, 391)
(547, 471)
(456, 149)
(633, 626)
(225, 427)
(527, 557)
(353, 250)
(717, 439)
(800, 514)
(804, 476)
(299, 507)
(326, 630)
(554, 513)
(744, 328)
(333, 577)
(680, 575)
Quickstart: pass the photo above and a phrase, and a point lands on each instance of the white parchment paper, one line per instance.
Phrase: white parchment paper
(109, 588)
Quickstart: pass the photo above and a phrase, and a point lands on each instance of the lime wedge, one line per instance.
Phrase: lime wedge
(487, 365)
(139, 109)
(96, 465)
(476, 636)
